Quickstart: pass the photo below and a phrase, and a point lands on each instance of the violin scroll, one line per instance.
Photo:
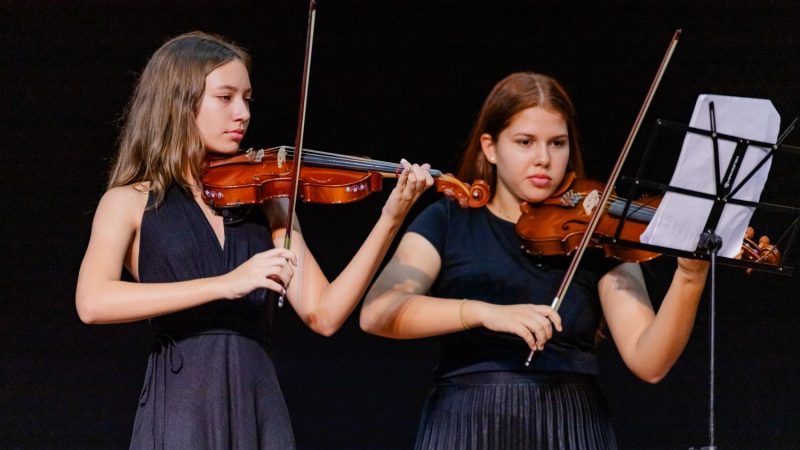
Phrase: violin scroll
(475, 195)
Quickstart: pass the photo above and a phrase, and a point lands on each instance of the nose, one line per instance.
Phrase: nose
(541, 154)
(241, 112)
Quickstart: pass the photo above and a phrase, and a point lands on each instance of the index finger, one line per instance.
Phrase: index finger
(286, 254)
(555, 318)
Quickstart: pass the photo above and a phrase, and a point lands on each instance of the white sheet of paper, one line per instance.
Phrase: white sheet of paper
(680, 218)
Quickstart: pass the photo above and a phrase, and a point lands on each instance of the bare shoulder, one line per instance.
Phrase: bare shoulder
(131, 194)
(123, 202)
(115, 230)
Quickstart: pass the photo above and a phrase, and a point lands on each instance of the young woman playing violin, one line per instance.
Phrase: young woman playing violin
(460, 274)
(202, 284)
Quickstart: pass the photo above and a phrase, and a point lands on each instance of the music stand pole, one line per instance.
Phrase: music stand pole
(711, 243)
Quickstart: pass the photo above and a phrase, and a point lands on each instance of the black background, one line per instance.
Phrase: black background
(389, 79)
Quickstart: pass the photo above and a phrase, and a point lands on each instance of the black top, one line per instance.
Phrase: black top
(482, 260)
(178, 243)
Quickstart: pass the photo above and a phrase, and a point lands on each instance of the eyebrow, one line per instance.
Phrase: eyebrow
(560, 136)
(227, 87)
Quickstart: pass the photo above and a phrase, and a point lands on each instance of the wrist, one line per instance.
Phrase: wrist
(391, 220)
(692, 271)
(220, 289)
(469, 313)
(390, 214)
(464, 324)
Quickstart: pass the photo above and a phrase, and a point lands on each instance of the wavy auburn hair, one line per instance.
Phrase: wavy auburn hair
(159, 142)
(514, 93)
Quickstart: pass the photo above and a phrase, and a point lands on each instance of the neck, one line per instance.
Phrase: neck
(505, 205)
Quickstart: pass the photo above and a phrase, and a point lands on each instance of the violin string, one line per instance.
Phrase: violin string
(344, 161)
(349, 162)
(318, 156)
(639, 208)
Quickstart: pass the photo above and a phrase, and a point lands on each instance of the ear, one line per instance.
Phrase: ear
(489, 148)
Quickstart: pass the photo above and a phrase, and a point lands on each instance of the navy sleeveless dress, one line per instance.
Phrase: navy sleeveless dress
(210, 382)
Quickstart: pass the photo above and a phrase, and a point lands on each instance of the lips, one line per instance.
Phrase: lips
(236, 135)
(540, 181)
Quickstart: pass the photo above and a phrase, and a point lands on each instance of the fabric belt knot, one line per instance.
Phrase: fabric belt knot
(173, 357)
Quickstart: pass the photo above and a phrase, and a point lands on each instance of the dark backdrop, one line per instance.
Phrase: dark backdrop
(389, 79)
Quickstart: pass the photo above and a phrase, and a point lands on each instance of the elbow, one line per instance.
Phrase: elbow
(326, 331)
(87, 313)
(378, 325)
(653, 379)
(365, 324)
(381, 318)
(91, 307)
(88, 303)
(652, 376)
(367, 321)
(322, 327)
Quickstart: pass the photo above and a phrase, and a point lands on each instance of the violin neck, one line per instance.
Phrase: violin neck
(327, 159)
(639, 212)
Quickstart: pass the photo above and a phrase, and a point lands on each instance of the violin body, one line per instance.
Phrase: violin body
(257, 176)
(243, 183)
(557, 225)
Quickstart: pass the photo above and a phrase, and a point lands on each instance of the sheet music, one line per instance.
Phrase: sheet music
(680, 218)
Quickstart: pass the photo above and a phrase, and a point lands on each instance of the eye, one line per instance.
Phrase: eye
(525, 142)
(559, 143)
(224, 98)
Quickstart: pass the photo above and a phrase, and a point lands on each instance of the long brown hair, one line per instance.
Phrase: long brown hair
(514, 93)
(159, 142)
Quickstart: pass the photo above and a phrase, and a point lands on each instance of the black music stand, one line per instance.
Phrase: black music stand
(709, 242)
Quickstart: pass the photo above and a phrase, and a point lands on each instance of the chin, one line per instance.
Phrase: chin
(538, 196)
(227, 150)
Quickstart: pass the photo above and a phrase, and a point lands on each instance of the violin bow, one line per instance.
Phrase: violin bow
(612, 180)
(301, 122)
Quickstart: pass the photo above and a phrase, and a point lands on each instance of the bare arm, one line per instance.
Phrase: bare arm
(650, 343)
(397, 305)
(324, 305)
(101, 296)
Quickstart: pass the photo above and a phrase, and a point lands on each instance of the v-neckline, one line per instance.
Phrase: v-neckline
(210, 227)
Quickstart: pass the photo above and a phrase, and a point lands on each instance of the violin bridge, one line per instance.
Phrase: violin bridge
(281, 156)
(255, 156)
(591, 201)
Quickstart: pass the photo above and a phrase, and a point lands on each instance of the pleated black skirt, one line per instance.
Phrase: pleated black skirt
(516, 410)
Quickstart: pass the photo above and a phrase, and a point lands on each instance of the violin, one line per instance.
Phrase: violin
(763, 251)
(260, 175)
(556, 225)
